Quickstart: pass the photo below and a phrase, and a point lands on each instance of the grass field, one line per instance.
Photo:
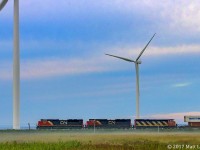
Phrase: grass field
(64, 140)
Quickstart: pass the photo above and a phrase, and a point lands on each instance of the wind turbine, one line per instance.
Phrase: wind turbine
(16, 64)
(137, 62)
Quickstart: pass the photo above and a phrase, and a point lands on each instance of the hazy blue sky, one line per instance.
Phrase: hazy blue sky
(65, 74)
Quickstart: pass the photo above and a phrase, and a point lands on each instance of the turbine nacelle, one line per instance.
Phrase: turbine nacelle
(138, 62)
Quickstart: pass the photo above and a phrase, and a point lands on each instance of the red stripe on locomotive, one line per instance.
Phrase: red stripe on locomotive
(93, 122)
(45, 123)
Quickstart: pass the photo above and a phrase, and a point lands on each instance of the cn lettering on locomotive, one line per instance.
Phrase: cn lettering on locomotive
(63, 122)
(111, 122)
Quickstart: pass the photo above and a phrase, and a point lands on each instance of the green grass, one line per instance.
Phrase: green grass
(67, 140)
(72, 145)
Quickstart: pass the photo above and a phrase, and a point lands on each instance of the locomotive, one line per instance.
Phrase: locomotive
(60, 124)
(105, 123)
(164, 123)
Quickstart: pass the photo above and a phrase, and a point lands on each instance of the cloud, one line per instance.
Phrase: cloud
(40, 68)
(114, 21)
(175, 14)
(185, 14)
(158, 50)
(181, 84)
(120, 49)
(180, 16)
(98, 62)
(55, 67)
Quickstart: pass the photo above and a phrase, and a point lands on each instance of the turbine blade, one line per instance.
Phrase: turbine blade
(126, 59)
(144, 48)
(2, 4)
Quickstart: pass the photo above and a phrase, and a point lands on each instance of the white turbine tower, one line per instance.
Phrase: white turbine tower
(137, 62)
(16, 65)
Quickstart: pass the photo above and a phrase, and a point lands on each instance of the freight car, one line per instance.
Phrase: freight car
(105, 123)
(193, 121)
(150, 123)
(60, 124)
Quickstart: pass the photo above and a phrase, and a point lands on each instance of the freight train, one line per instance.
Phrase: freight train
(193, 121)
(105, 123)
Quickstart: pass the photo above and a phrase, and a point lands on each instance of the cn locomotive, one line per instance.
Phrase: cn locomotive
(60, 124)
(164, 123)
(105, 123)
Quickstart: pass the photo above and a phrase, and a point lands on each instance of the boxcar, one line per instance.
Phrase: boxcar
(193, 124)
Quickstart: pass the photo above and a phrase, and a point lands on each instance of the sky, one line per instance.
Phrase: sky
(65, 73)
